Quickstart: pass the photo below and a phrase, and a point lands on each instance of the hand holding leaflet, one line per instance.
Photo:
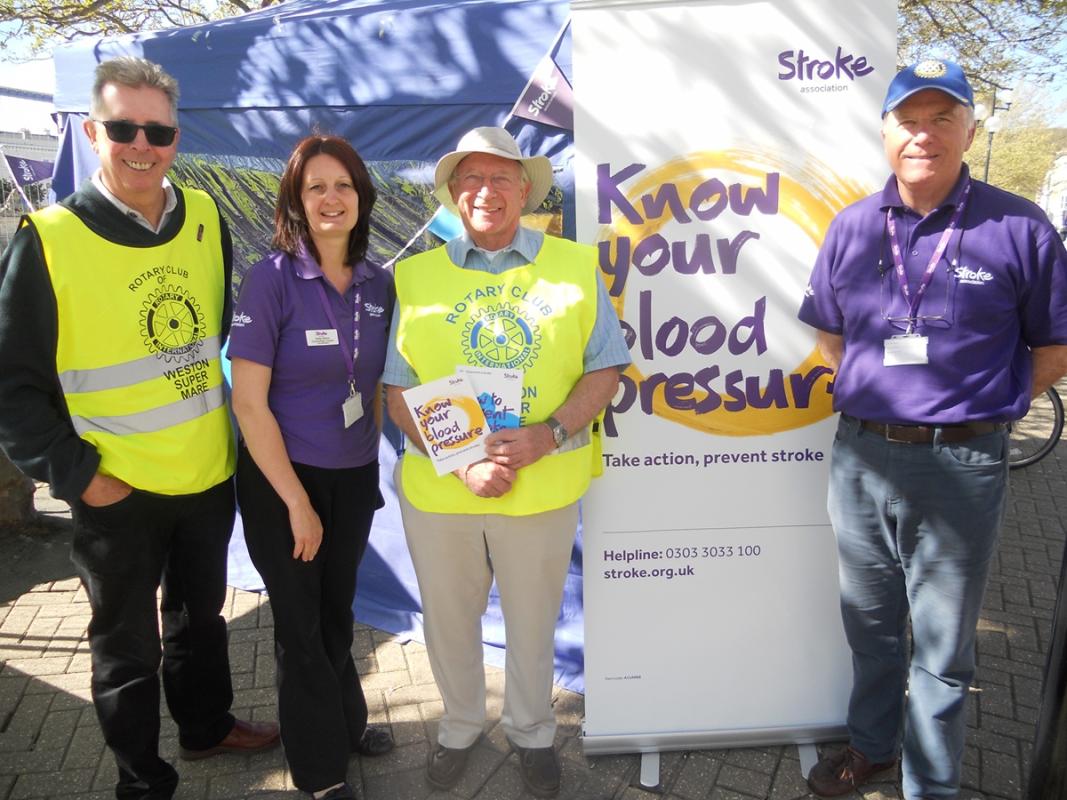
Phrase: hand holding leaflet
(499, 392)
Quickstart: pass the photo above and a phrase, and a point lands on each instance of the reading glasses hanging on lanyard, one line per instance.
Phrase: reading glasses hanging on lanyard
(914, 300)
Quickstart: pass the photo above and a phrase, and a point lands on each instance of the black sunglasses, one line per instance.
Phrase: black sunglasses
(123, 132)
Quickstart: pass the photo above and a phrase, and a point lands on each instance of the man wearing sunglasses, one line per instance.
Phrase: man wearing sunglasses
(113, 307)
(941, 302)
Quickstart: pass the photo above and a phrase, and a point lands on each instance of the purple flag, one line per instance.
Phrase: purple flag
(548, 97)
(26, 170)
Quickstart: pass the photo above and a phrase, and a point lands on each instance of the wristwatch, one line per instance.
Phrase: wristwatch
(559, 433)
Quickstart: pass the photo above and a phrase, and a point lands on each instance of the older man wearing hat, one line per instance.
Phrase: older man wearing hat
(505, 296)
(941, 302)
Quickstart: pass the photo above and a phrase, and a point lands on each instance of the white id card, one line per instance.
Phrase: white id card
(352, 408)
(906, 349)
(321, 338)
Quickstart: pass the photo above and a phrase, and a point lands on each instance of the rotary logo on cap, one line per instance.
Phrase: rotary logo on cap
(930, 69)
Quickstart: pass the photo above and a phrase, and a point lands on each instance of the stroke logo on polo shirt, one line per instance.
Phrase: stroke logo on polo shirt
(373, 309)
(973, 277)
(502, 336)
(240, 319)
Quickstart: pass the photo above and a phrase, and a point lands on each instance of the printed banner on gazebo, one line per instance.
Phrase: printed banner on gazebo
(715, 142)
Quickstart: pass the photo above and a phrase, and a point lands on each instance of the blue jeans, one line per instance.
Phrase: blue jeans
(916, 527)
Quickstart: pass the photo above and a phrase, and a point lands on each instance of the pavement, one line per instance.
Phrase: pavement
(51, 746)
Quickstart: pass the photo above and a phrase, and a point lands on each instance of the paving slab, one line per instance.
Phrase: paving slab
(51, 747)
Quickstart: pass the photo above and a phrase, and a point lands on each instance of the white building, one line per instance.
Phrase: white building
(23, 144)
(1052, 197)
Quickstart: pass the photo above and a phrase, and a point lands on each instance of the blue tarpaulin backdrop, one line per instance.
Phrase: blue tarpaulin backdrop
(402, 80)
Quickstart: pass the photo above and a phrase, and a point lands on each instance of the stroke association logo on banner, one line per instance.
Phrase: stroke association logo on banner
(812, 73)
(721, 229)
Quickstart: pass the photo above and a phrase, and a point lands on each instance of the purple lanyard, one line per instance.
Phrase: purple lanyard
(350, 356)
(931, 268)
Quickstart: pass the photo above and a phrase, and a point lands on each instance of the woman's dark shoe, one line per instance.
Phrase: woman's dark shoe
(376, 741)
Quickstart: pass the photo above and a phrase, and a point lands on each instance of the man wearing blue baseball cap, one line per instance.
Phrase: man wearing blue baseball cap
(941, 302)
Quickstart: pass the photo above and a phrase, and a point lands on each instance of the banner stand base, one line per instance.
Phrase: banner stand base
(808, 757)
(650, 770)
(653, 743)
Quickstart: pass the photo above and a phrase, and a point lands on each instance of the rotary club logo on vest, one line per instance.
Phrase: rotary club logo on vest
(501, 335)
(172, 323)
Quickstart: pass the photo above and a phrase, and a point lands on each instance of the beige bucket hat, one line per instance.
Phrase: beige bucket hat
(495, 142)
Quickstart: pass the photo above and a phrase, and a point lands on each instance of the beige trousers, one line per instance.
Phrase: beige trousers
(455, 558)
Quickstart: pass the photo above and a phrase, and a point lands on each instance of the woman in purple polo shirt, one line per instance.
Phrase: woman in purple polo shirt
(308, 346)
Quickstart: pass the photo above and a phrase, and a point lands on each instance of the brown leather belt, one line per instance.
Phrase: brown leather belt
(924, 434)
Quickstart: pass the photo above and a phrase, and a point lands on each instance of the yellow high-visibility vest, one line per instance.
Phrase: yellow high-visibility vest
(138, 348)
(535, 318)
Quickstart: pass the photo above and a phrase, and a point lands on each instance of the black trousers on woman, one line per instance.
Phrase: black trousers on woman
(321, 708)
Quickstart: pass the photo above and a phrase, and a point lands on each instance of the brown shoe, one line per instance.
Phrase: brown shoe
(843, 771)
(446, 766)
(244, 737)
(539, 768)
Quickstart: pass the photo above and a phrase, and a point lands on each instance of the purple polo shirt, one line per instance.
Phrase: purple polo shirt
(1000, 289)
(279, 303)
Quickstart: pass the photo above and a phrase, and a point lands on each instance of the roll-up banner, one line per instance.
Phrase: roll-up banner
(714, 144)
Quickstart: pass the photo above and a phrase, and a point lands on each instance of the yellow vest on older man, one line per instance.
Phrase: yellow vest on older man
(536, 319)
(138, 348)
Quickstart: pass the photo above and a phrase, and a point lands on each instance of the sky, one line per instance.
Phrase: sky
(36, 76)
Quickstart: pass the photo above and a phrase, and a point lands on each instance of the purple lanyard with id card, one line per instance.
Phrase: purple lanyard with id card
(352, 407)
(935, 259)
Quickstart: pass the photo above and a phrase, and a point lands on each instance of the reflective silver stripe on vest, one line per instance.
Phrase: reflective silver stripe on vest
(580, 439)
(116, 376)
(155, 419)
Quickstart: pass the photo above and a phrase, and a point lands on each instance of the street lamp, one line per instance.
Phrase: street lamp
(993, 123)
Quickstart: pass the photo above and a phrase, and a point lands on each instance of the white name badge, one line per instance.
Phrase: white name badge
(352, 408)
(321, 338)
(905, 349)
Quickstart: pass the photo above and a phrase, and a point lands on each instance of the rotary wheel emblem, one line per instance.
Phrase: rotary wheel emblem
(930, 69)
(502, 337)
(171, 323)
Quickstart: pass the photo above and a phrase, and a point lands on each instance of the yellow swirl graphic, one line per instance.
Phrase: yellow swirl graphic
(475, 418)
(810, 196)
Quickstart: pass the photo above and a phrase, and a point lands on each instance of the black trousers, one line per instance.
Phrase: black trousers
(123, 554)
(321, 708)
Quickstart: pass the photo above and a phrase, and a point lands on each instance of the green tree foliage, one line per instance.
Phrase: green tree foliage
(996, 41)
(993, 39)
(1000, 44)
(1023, 150)
(44, 22)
